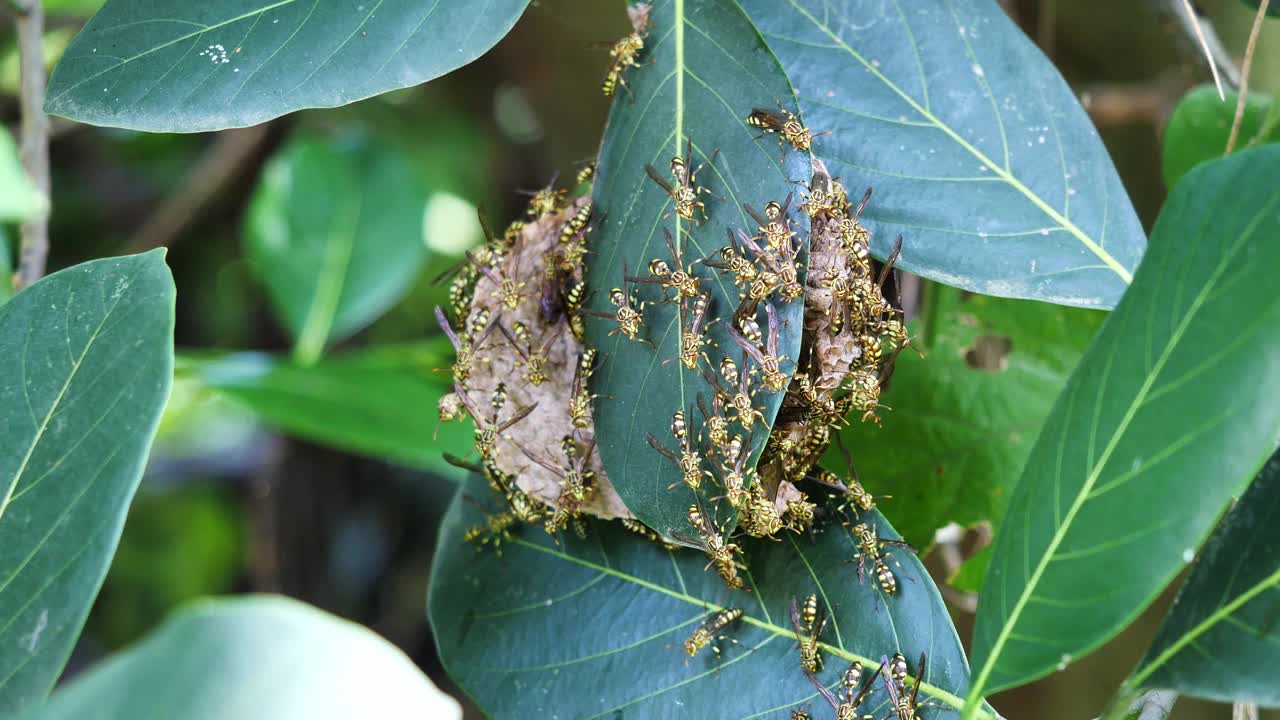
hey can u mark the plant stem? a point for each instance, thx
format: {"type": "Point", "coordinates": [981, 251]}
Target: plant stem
{"type": "Point", "coordinates": [1244, 76]}
{"type": "Point", "coordinates": [1151, 705]}
{"type": "Point", "coordinates": [34, 140]}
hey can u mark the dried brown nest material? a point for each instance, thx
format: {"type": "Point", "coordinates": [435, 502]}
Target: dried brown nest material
{"type": "Point", "coordinates": [497, 361]}
{"type": "Point", "coordinates": [850, 331]}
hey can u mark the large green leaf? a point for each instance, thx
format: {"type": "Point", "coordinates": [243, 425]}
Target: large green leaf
{"type": "Point", "coordinates": [955, 442]}
{"type": "Point", "coordinates": [335, 232]}
{"type": "Point", "coordinates": [248, 658]}
{"type": "Point", "coordinates": [703, 71]}
{"type": "Point", "coordinates": [525, 633]}
{"type": "Point", "coordinates": [86, 359]}
{"type": "Point", "coordinates": [1198, 129]}
{"type": "Point", "coordinates": [380, 402]}
{"type": "Point", "coordinates": [1222, 638]}
{"type": "Point", "coordinates": [978, 150]}
{"type": "Point", "coordinates": [178, 66]}
{"type": "Point", "coordinates": [1170, 413]}
{"type": "Point", "coordinates": [18, 198]}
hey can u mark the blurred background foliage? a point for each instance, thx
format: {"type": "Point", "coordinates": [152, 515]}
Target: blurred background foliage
{"type": "Point", "coordinates": [299, 452]}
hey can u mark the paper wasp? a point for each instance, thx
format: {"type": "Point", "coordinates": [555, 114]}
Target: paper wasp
{"type": "Point", "coordinates": [576, 224]}
{"type": "Point", "coordinates": [685, 192]}
{"type": "Point", "coordinates": [767, 358]}
{"type": "Point", "coordinates": [716, 425]}
{"type": "Point", "coordinates": [786, 124]}
{"type": "Point", "coordinates": [546, 201]}
{"type": "Point", "coordinates": [464, 350]}
{"type": "Point", "coordinates": [801, 715]}
{"type": "Point", "coordinates": [628, 317]}
{"type": "Point", "coordinates": [808, 630]}
{"type": "Point", "coordinates": [732, 259]}
{"type": "Point", "coordinates": [710, 541]}
{"type": "Point", "coordinates": [689, 461]}
{"type": "Point", "coordinates": [707, 631]}
{"type": "Point", "coordinates": [647, 533]}
{"type": "Point", "coordinates": [576, 481]}
{"type": "Point", "coordinates": [488, 429]}
{"type": "Point", "coordinates": [822, 199]}
{"type": "Point", "coordinates": [758, 516]}
{"type": "Point", "coordinates": [734, 476]}
{"type": "Point", "coordinates": [799, 515]}
{"type": "Point", "coordinates": [904, 703]}
{"type": "Point", "coordinates": [496, 530]}
{"type": "Point", "coordinates": [693, 338]}
{"type": "Point", "coordinates": [775, 228]}
{"type": "Point", "coordinates": [737, 399]}
{"type": "Point", "coordinates": [680, 279]}
{"type": "Point", "coordinates": [623, 55]}
{"type": "Point", "coordinates": [586, 174]}
{"type": "Point", "coordinates": [853, 689]}
{"type": "Point", "coordinates": [509, 292]}
{"type": "Point", "coordinates": [534, 360]}
{"type": "Point", "coordinates": [580, 400]}
{"type": "Point", "coordinates": [870, 548]}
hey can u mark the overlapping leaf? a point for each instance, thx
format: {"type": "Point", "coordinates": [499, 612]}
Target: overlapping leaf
{"type": "Point", "coordinates": [1200, 125]}
{"type": "Point", "coordinates": [380, 402]}
{"type": "Point", "coordinates": [500, 624]}
{"type": "Point", "coordinates": [704, 69]}
{"type": "Point", "coordinates": [956, 439]}
{"type": "Point", "coordinates": [179, 66]}
{"type": "Point", "coordinates": [248, 658]}
{"type": "Point", "coordinates": [1116, 494]}
{"type": "Point", "coordinates": [86, 360]}
{"type": "Point", "coordinates": [335, 233]}
{"type": "Point", "coordinates": [1222, 639]}
{"type": "Point", "coordinates": [978, 151]}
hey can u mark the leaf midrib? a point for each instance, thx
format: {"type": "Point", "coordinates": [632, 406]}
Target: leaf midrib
{"type": "Point", "coordinates": [57, 401]}
{"type": "Point", "coordinates": [950, 699]}
{"type": "Point", "coordinates": [999, 170]}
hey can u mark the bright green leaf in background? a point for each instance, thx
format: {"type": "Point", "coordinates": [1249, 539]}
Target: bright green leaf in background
{"type": "Point", "coordinates": [594, 628]}
{"type": "Point", "coordinates": [379, 402]}
{"type": "Point", "coordinates": [1227, 615]}
{"type": "Point", "coordinates": [1199, 127]}
{"type": "Point", "coordinates": [1160, 425]}
{"type": "Point", "coordinates": [86, 360]}
{"type": "Point", "coordinates": [19, 200]}
{"type": "Point", "coordinates": [263, 657]}
{"type": "Point", "coordinates": [955, 442]}
{"type": "Point", "coordinates": [979, 153]}
{"type": "Point", "coordinates": [180, 66]}
{"type": "Point", "coordinates": [334, 231]}
{"type": "Point", "coordinates": [703, 70]}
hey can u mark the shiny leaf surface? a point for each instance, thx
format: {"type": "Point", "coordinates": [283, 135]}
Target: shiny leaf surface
{"type": "Point", "coordinates": [86, 361]}
{"type": "Point", "coordinates": [978, 151]}
{"type": "Point", "coordinates": [1198, 129]}
{"type": "Point", "coordinates": [1114, 497]}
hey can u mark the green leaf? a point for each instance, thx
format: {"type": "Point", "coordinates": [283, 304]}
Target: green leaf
{"type": "Point", "coordinates": [86, 360]}
{"type": "Point", "coordinates": [178, 66]}
{"type": "Point", "coordinates": [19, 200]}
{"type": "Point", "coordinates": [1201, 123]}
{"type": "Point", "coordinates": [1221, 640]}
{"type": "Point", "coordinates": [250, 658]}
{"type": "Point", "coordinates": [378, 402]}
{"type": "Point", "coordinates": [525, 632]}
{"type": "Point", "coordinates": [6, 267]}
{"type": "Point", "coordinates": [334, 231]}
{"type": "Point", "coordinates": [955, 442]}
{"type": "Point", "coordinates": [1272, 9]}
{"type": "Point", "coordinates": [978, 151]}
{"type": "Point", "coordinates": [968, 577]}
{"type": "Point", "coordinates": [703, 70]}
{"type": "Point", "coordinates": [1174, 390]}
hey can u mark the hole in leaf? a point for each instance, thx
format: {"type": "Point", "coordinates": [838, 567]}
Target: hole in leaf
{"type": "Point", "coordinates": [989, 352]}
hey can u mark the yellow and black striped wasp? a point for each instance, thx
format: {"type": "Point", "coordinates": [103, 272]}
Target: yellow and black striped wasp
{"type": "Point", "coordinates": [711, 541]}
{"type": "Point", "coordinates": [775, 228]}
{"type": "Point", "coordinates": [533, 358]}
{"type": "Point", "coordinates": [903, 702]}
{"type": "Point", "coordinates": [688, 461]}
{"type": "Point", "coordinates": [686, 191]}
{"type": "Point", "coordinates": [488, 429]}
{"type": "Point", "coordinates": [580, 398]}
{"type": "Point", "coordinates": [736, 397]}
{"type": "Point", "coordinates": [464, 349]}
{"type": "Point", "coordinates": [694, 338]}
{"type": "Point", "coordinates": [577, 482]}
{"type": "Point", "coordinates": [808, 629]}
{"type": "Point", "coordinates": [770, 362]}
{"type": "Point", "coordinates": [786, 124]}
{"type": "Point", "coordinates": [871, 550]}
{"type": "Point", "coordinates": [680, 278]}
{"type": "Point", "coordinates": [628, 316]}
{"type": "Point", "coordinates": [853, 690]}
{"type": "Point", "coordinates": [707, 631]}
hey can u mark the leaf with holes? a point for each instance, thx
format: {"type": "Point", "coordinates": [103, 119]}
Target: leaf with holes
{"type": "Point", "coordinates": [1198, 129]}
{"type": "Point", "coordinates": [1114, 493]}
{"type": "Point", "coordinates": [1227, 615]}
{"type": "Point", "coordinates": [978, 151]}
{"type": "Point", "coordinates": [86, 360]}
{"type": "Point", "coordinates": [206, 663]}
{"type": "Point", "coordinates": [965, 417]}
{"type": "Point", "coordinates": [378, 402]}
{"type": "Point", "coordinates": [179, 66]}
{"type": "Point", "coordinates": [502, 624]}
{"type": "Point", "coordinates": [334, 231]}
{"type": "Point", "coordinates": [702, 72]}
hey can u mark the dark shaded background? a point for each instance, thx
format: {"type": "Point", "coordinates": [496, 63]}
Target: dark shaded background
{"type": "Point", "coordinates": [230, 507]}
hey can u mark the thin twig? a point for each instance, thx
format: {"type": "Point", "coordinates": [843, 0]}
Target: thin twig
{"type": "Point", "coordinates": [34, 138]}
{"type": "Point", "coordinates": [1244, 711]}
{"type": "Point", "coordinates": [1244, 76]}
{"type": "Point", "coordinates": [1199, 31]}
{"type": "Point", "coordinates": [217, 168]}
